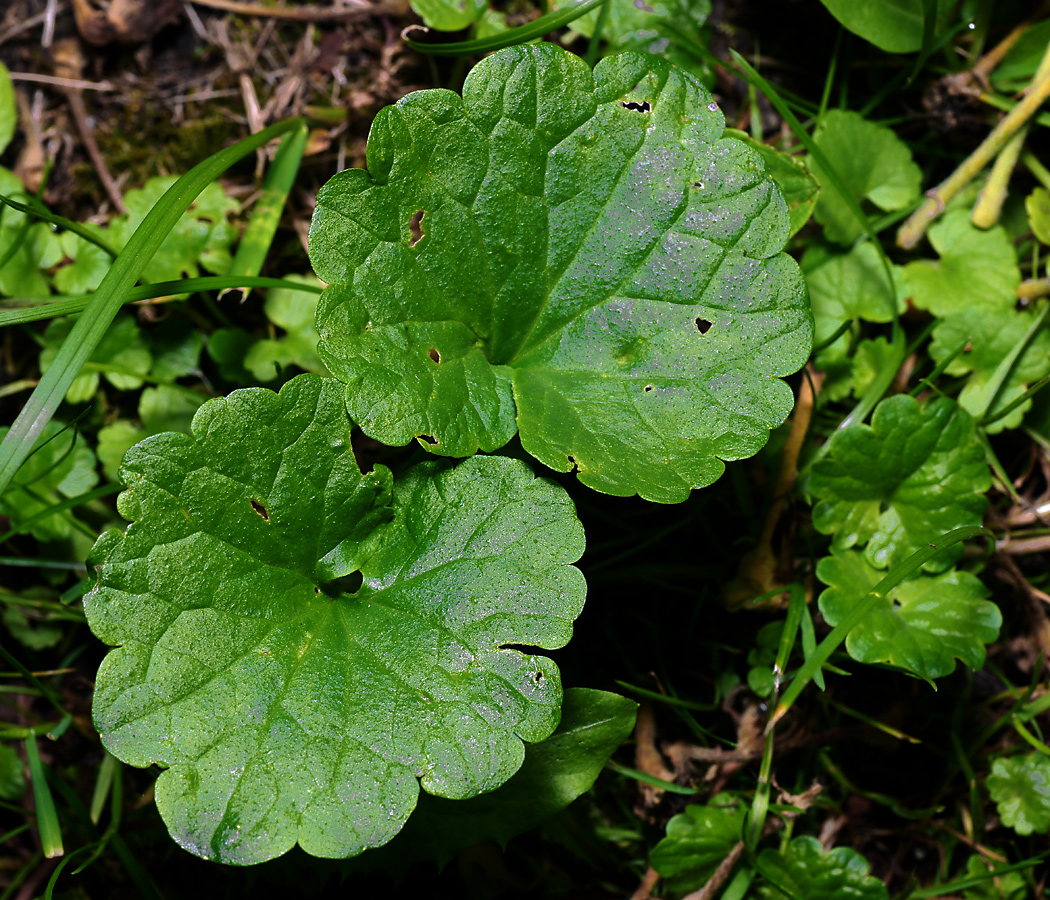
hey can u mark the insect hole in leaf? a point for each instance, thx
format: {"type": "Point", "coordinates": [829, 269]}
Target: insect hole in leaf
{"type": "Point", "coordinates": [415, 225]}
{"type": "Point", "coordinates": [643, 107]}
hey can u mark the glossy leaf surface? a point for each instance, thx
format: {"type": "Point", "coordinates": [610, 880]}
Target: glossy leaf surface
{"type": "Point", "coordinates": [915, 473]}
{"type": "Point", "coordinates": [286, 705]}
{"type": "Point", "coordinates": [892, 25]}
{"type": "Point", "coordinates": [922, 625]}
{"type": "Point", "coordinates": [581, 259]}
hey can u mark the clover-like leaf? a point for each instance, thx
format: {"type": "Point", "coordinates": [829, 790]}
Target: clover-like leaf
{"type": "Point", "coordinates": [914, 474]}
{"type": "Point", "coordinates": [292, 311]}
{"type": "Point", "coordinates": [1020, 787]}
{"type": "Point", "coordinates": [582, 259]}
{"type": "Point", "coordinates": [989, 335]}
{"type": "Point", "coordinates": [176, 351]}
{"type": "Point", "coordinates": [977, 267]}
{"type": "Point", "coordinates": [201, 238]}
{"type": "Point", "coordinates": [922, 625]}
{"type": "Point", "coordinates": [12, 774]}
{"type": "Point", "coordinates": [805, 870]}
{"type": "Point", "coordinates": [285, 705]}
{"type": "Point", "coordinates": [122, 356]}
{"type": "Point", "coordinates": [89, 262]}
{"type": "Point", "coordinates": [697, 841]}
{"type": "Point", "coordinates": [873, 163]}
{"type": "Point", "coordinates": [555, 772]}
{"type": "Point", "coordinates": [61, 466]}
{"type": "Point", "coordinates": [36, 248]}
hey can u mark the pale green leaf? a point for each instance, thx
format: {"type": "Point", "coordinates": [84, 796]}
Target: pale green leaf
{"type": "Point", "coordinates": [1010, 886]}
{"type": "Point", "coordinates": [579, 259]}
{"type": "Point", "coordinates": [114, 440]}
{"type": "Point", "coordinates": [630, 24]}
{"type": "Point", "coordinates": [914, 474]}
{"type": "Point", "coordinates": [977, 267]}
{"type": "Point", "coordinates": [166, 408]}
{"type": "Point", "coordinates": [1020, 787]}
{"type": "Point", "coordinates": [122, 356]}
{"type": "Point", "coordinates": [874, 164]}
{"type": "Point", "coordinates": [201, 237]}
{"type": "Point", "coordinates": [88, 266]}
{"type": "Point", "coordinates": [851, 286]}
{"type": "Point", "coordinates": [293, 312]}
{"type": "Point", "coordinates": [804, 871]}
{"type": "Point", "coordinates": [33, 635]}
{"type": "Point", "coordinates": [284, 704]}
{"type": "Point", "coordinates": [922, 625]}
{"type": "Point", "coordinates": [870, 358]}
{"type": "Point", "coordinates": [449, 15]}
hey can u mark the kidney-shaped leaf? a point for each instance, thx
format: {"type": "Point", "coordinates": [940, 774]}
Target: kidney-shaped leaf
{"type": "Point", "coordinates": [914, 474]}
{"type": "Point", "coordinates": [805, 870]}
{"type": "Point", "coordinates": [583, 259]}
{"type": "Point", "coordinates": [285, 705]}
{"type": "Point", "coordinates": [922, 625]}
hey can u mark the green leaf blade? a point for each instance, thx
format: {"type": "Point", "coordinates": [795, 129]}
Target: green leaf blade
{"type": "Point", "coordinates": [914, 474]}
{"type": "Point", "coordinates": [922, 625]}
{"type": "Point", "coordinates": [547, 256]}
{"type": "Point", "coordinates": [284, 708]}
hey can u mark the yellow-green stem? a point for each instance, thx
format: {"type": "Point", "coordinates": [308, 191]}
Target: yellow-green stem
{"type": "Point", "coordinates": [915, 227]}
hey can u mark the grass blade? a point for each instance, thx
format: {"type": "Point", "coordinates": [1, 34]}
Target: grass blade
{"type": "Point", "coordinates": [266, 214]}
{"type": "Point", "coordinates": [125, 271]}
{"type": "Point", "coordinates": [70, 305]}
{"type": "Point", "coordinates": [46, 816]}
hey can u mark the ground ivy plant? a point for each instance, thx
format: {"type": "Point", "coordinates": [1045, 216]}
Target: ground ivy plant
{"type": "Point", "coordinates": [581, 258]}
